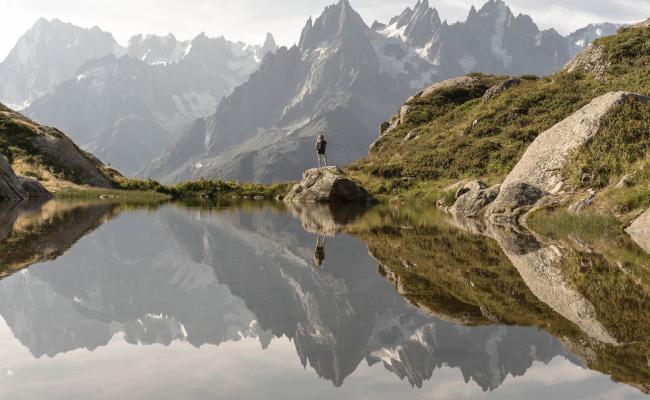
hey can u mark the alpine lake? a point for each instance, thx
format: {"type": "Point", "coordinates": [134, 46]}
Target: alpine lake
{"type": "Point", "coordinates": [251, 300]}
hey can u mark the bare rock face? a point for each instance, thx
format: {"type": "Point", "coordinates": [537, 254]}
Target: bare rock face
{"type": "Point", "coordinates": [540, 169]}
{"type": "Point", "coordinates": [472, 198]}
{"type": "Point", "coordinates": [18, 188]}
{"type": "Point", "coordinates": [640, 231]}
{"type": "Point", "coordinates": [326, 185]}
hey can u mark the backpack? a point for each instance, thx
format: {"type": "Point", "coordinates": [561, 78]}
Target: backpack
{"type": "Point", "coordinates": [321, 147]}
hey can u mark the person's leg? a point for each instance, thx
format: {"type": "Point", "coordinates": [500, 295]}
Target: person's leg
{"type": "Point", "coordinates": [325, 159]}
{"type": "Point", "coordinates": [318, 157]}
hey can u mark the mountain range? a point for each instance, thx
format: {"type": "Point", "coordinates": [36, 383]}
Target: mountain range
{"type": "Point", "coordinates": [340, 79]}
{"type": "Point", "coordinates": [128, 109]}
{"type": "Point", "coordinates": [177, 110]}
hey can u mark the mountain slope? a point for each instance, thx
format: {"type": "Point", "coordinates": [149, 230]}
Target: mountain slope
{"type": "Point", "coordinates": [48, 154]}
{"type": "Point", "coordinates": [127, 110]}
{"type": "Point", "coordinates": [340, 79]}
{"type": "Point", "coordinates": [49, 53]}
{"type": "Point", "coordinates": [463, 131]}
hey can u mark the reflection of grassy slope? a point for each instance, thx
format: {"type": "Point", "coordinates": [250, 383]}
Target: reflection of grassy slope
{"type": "Point", "coordinates": [454, 273]}
{"type": "Point", "coordinates": [466, 138]}
{"type": "Point", "coordinates": [468, 278]}
{"type": "Point", "coordinates": [47, 232]}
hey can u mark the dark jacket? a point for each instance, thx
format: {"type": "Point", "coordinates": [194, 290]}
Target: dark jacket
{"type": "Point", "coordinates": [321, 147]}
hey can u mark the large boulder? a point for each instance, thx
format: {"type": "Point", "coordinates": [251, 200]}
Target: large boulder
{"type": "Point", "coordinates": [640, 231]}
{"type": "Point", "coordinates": [10, 188]}
{"type": "Point", "coordinates": [326, 185]}
{"type": "Point", "coordinates": [514, 200]}
{"type": "Point", "coordinates": [18, 188]}
{"type": "Point", "coordinates": [540, 169]}
{"type": "Point", "coordinates": [472, 198]}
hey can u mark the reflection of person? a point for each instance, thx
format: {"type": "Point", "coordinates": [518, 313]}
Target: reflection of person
{"type": "Point", "coordinates": [319, 252]}
{"type": "Point", "coordinates": [321, 151]}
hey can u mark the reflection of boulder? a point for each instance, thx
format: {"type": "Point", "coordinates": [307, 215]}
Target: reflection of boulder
{"type": "Point", "coordinates": [326, 219]}
{"type": "Point", "coordinates": [326, 185]}
{"type": "Point", "coordinates": [539, 266]}
{"type": "Point", "coordinates": [640, 231]}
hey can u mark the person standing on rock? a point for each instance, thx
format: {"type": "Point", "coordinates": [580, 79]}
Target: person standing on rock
{"type": "Point", "coordinates": [321, 151]}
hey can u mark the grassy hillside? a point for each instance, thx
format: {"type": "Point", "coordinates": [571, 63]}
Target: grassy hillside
{"type": "Point", "coordinates": [453, 134]}
{"type": "Point", "coordinates": [48, 155]}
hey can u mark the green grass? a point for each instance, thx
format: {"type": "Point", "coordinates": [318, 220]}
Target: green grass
{"type": "Point", "coordinates": [112, 195]}
{"type": "Point", "coordinates": [462, 137]}
{"type": "Point", "coordinates": [208, 188]}
{"type": "Point", "coordinates": [561, 224]}
{"type": "Point", "coordinates": [623, 140]}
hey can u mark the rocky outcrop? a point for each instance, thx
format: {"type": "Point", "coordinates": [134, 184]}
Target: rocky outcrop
{"type": "Point", "coordinates": [500, 88]}
{"type": "Point", "coordinates": [472, 198]}
{"type": "Point", "coordinates": [644, 24]}
{"type": "Point", "coordinates": [592, 60]}
{"type": "Point", "coordinates": [326, 185]}
{"type": "Point", "coordinates": [513, 201]}
{"type": "Point", "coordinates": [399, 118]}
{"type": "Point", "coordinates": [640, 231]}
{"type": "Point", "coordinates": [540, 169]}
{"type": "Point", "coordinates": [539, 265]}
{"type": "Point", "coordinates": [18, 188]}
{"type": "Point", "coordinates": [56, 152]}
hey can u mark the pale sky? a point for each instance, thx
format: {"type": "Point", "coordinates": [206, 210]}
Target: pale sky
{"type": "Point", "coordinates": [249, 20]}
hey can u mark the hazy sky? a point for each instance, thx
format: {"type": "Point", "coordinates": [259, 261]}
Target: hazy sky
{"type": "Point", "coordinates": [249, 20]}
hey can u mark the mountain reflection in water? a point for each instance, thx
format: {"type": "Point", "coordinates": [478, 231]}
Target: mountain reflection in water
{"type": "Point", "coordinates": [221, 276]}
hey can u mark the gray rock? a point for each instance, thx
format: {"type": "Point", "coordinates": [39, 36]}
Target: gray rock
{"type": "Point", "coordinates": [470, 203]}
{"type": "Point", "coordinates": [626, 181]}
{"type": "Point", "coordinates": [500, 88]}
{"type": "Point", "coordinates": [513, 201]}
{"type": "Point", "coordinates": [583, 204]}
{"type": "Point", "coordinates": [592, 60]}
{"type": "Point", "coordinates": [10, 188]}
{"type": "Point", "coordinates": [413, 135]}
{"type": "Point", "coordinates": [468, 187]}
{"type": "Point", "coordinates": [640, 231]}
{"type": "Point", "coordinates": [18, 188]}
{"type": "Point", "coordinates": [540, 169]}
{"type": "Point", "coordinates": [326, 185]}
{"type": "Point", "coordinates": [33, 188]}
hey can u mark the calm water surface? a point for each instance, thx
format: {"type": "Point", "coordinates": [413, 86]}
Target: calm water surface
{"type": "Point", "coordinates": [115, 302]}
